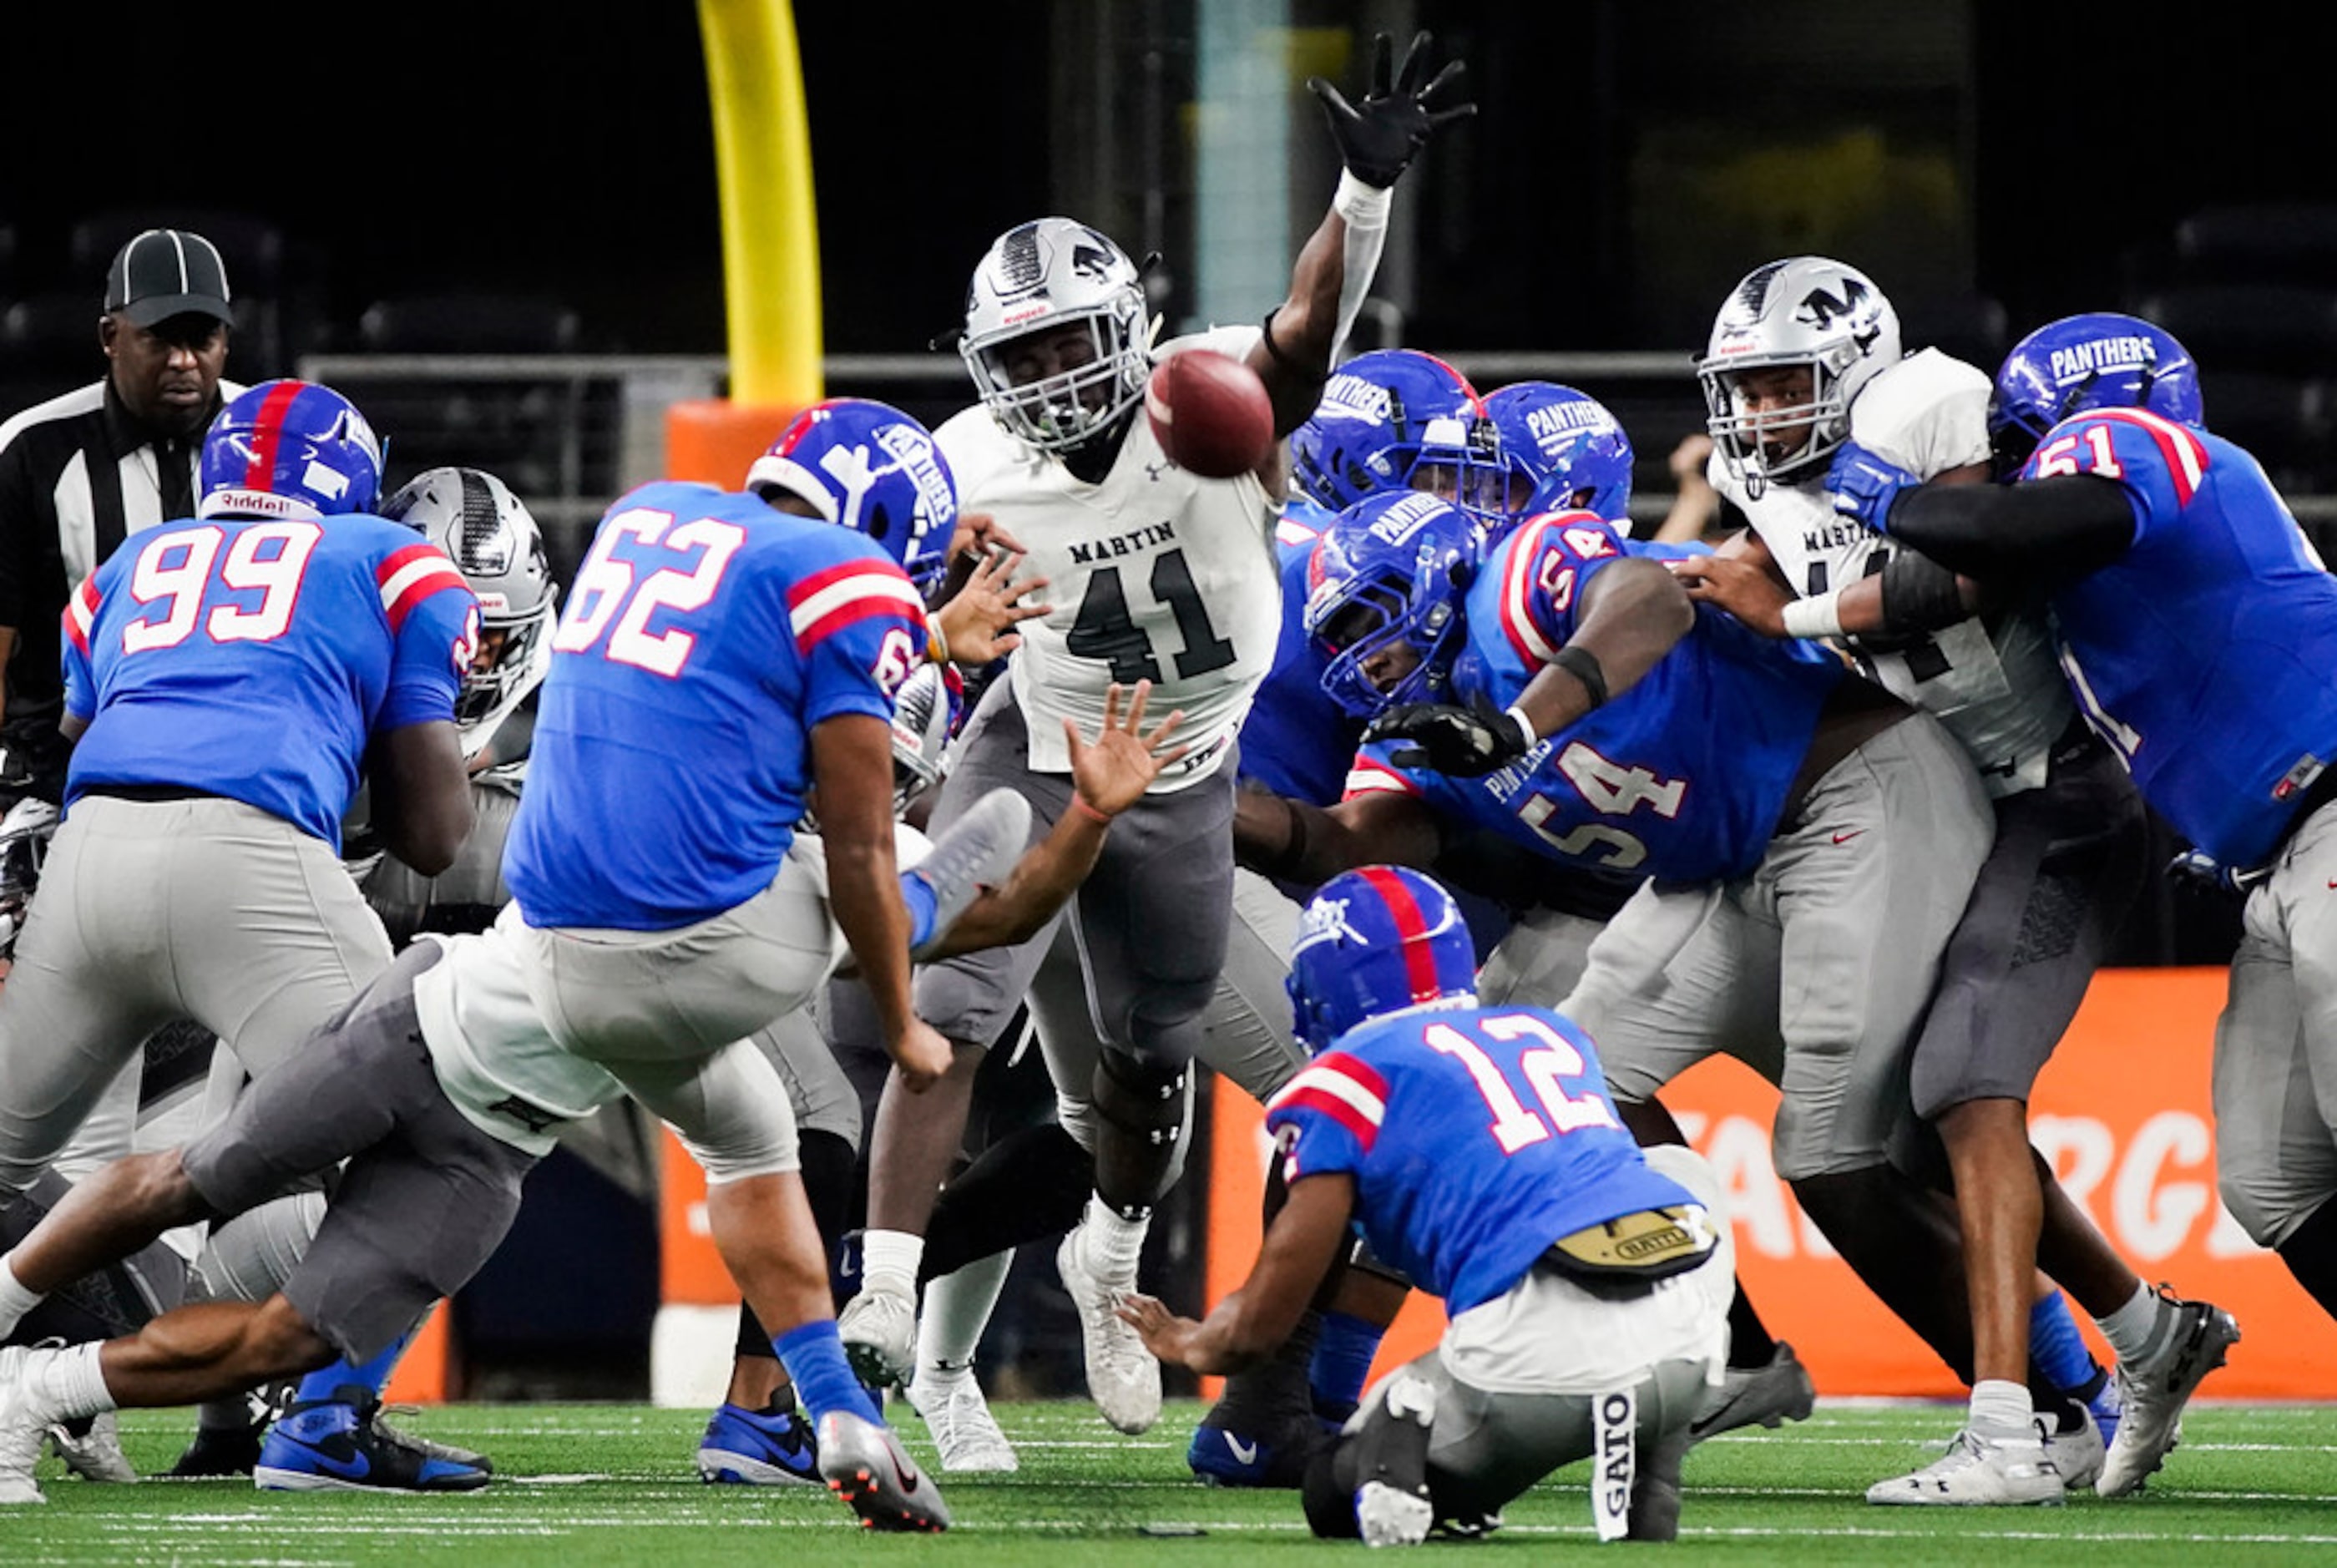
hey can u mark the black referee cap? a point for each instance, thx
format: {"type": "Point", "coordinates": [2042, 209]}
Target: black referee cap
{"type": "Point", "coordinates": [167, 272]}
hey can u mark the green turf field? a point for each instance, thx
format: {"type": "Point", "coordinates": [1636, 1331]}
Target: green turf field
{"type": "Point", "coordinates": [585, 1484]}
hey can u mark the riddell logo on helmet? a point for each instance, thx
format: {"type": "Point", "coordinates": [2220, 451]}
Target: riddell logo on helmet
{"type": "Point", "coordinates": [1027, 313]}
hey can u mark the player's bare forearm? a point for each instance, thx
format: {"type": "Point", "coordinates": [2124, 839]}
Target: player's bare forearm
{"type": "Point", "coordinates": [422, 794]}
{"type": "Point", "coordinates": [1306, 1239]}
{"type": "Point", "coordinates": [1295, 842]}
{"type": "Point", "coordinates": [851, 763]}
{"type": "Point", "coordinates": [1632, 613]}
{"type": "Point", "coordinates": [1296, 367]}
{"type": "Point", "coordinates": [1109, 775]}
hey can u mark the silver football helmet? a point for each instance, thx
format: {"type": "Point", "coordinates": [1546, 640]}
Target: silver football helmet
{"type": "Point", "coordinates": [1804, 311]}
{"type": "Point", "coordinates": [493, 541]}
{"type": "Point", "coordinates": [1039, 277]}
{"type": "Point", "coordinates": [925, 715]}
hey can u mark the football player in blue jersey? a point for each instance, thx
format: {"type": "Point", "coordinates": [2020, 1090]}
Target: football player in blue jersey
{"type": "Point", "coordinates": [1398, 419]}
{"type": "Point", "coordinates": [440, 1137]}
{"type": "Point", "coordinates": [231, 677]}
{"type": "Point", "coordinates": [1477, 1147]}
{"type": "Point", "coordinates": [1559, 728]}
{"type": "Point", "coordinates": [2195, 625]}
{"type": "Point", "coordinates": [1805, 356]}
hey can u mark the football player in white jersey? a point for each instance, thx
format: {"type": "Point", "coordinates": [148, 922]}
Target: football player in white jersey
{"type": "Point", "coordinates": [1155, 573]}
{"type": "Point", "coordinates": [1806, 355]}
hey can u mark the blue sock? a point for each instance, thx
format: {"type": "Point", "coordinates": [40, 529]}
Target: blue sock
{"type": "Point", "coordinates": [1342, 1363]}
{"type": "Point", "coordinates": [813, 1358]}
{"type": "Point", "coordinates": [2058, 1348]}
{"type": "Point", "coordinates": [923, 906]}
{"type": "Point", "coordinates": [326, 1384]}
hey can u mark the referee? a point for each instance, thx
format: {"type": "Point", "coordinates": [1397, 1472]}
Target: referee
{"type": "Point", "coordinates": [80, 472]}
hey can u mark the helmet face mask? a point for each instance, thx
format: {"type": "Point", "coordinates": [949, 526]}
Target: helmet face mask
{"type": "Point", "coordinates": [1804, 314]}
{"type": "Point", "coordinates": [1054, 388]}
{"type": "Point", "coordinates": [289, 448]}
{"type": "Point", "coordinates": [495, 542]}
{"type": "Point", "coordinates": [1384, 600]}
{"type": "Point", "coordinates": [1374, 942]}
{"type": "Point", "coordinates": [2101, 359]}
{"type": "Point", "coordinates": [926, 713]}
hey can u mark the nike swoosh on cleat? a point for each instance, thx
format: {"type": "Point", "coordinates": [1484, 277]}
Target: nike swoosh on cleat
{"type": "Point", "coordinates": [1245, 1452]}
{"type": "Point", "coordinates": [353, 1469]}
{"type": "Point", "coordinates": [906, 1471]}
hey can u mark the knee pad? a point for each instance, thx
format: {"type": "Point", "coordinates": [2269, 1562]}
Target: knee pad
{"type": "Point", "coordinates": [249, 1258]}
{"type": "Point", "coordinates": [1141, 1097]}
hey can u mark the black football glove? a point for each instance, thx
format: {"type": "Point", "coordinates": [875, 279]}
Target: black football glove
{"type": "Point", "coordinates": [1379, 137]}
{"type": "Point", "coordinates": [1465, 742]}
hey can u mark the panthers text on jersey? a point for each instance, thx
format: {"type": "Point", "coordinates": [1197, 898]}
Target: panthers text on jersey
{"type": "Point", "coordinates": [1154, 574]}
{"type": "Point", "coordinates": [1990, 680]}
{"type": "Point", "coordinates": [2203, 656]}
{"type": "Point", "coordinates": [256, 659]}
{"type": "Point", "coordinates": [1475, 1138]}
{"type": "Point", "coordinates": [1684, 777]}
{"type": "Point", "coordinates": [705, 637]}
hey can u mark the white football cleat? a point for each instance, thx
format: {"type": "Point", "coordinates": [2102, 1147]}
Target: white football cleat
{"type": "Point", "coordinates": [959, 1418]}
{"type": "Point", "coordinates": [879, 1330]}
{"type": "Point", "coordinates": [2154, 1391]}
{"type": "Point", "coordinates": [21, 1430]}
{"type": "Point", "coordinates": [1392, 1504]}
{"type": "Point", "coordinates": [2076, 1451]}
{"type": "Point", "coordinates": [94, 1453]}
{"type": "Point", "coordinates": [1977, 1471]}
{"type": "Point", "coordinates": [1123, 1378]}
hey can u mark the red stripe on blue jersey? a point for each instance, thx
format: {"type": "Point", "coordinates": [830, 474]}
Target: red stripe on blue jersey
{"type": "Point", "coordinates": [408, 576]}
{"type": "Point", "coordinates": [80, 613]}
{"type": "Point", "coordinates": [851, 591]}
{"type": "Point", "coordinates": [259, 474]}
{"type": "Point", "coordinates": [1526, 639]}
{"type": "Point", "coordinates": [1341, 1087]}
{"type": "Point", "coordinates": [2185, 454]}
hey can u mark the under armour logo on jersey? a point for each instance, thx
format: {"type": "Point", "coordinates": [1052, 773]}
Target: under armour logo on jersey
{"type": "Point", "coordinates": [534, 1118]}
{"type": "Point", "coordinates": [1153, 470]}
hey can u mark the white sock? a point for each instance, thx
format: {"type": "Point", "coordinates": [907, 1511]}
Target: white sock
{"type": "Point", "coordinates": [67, 1385]}
{"type": "Point", "coordinates": [957, 1309]}
{"type": "Point", "coordinates": [2000, 1410]}
{"type": "Point", "coordinates": [889, 1261]}
{"type": "Point", "coordinates": [2134, 1328]}
{"type": "Point", "coordinates": [15, 1299]}
{"type": "Point", "coordinates": [1112, 1245]}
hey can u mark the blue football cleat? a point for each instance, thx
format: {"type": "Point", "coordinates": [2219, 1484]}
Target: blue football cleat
{"type": "Point", "coordinates": [334, 1446]}
{"type": "Point", "coordinates": [744, 1449]}
{"type": "Point", "coordinates": [1273, 1455]}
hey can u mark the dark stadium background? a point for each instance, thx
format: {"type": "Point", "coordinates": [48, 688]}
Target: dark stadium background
{"type": "Point", "coordinates": [1993, 165]}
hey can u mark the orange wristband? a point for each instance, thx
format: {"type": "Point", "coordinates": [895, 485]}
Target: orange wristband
{"type": "Point", "coordinates": [1078, 802]}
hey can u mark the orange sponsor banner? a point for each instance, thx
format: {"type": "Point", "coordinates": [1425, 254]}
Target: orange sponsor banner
{"type": "Point", "coordinates": [2123, 1113]}
{"type": "Point", "coordinates": [691, 1273]}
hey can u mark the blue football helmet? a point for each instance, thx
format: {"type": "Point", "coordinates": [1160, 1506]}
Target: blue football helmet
{"type": "Point", "coordinates": [1372, 942]}
{"type": "Point", "coordinates": [289, 449]}
{"type": "Point", "coordinates": [2098, 360]}
{"type": "Point", "coordinates": [873, 469]}
{"type": "Point", "coordinates": [1390, 569]}
{"type": "Point", "coordinates": [1566, 452]}
{"type": "Point", "coordinates": [1382, 417]}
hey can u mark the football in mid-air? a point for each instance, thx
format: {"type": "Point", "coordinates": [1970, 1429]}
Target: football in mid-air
{"type": "Point", "coordinates": [1210, 413]}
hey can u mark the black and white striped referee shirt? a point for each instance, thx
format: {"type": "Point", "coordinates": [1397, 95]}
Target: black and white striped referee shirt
{"type": "Point", "coordinates": [78, 474]}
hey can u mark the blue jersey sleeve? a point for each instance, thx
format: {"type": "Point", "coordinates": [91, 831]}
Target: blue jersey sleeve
{"type": "Point", "coordinates": [859, 629]}
{"type": "Point", "coordinates": [1327, 1118]}
{"type": "Point", "coordinates": [434, 620]}
{"type": "Point", "coordinates": [2159, 464]}
{"type": "Point", "coordinates": [79, 621]}
{"type": "Point", "coordinates": [1544, 567]}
